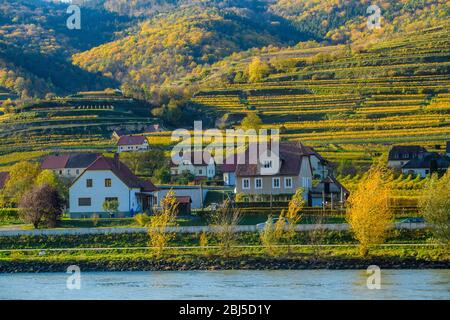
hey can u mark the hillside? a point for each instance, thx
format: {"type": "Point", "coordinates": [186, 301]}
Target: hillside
{"type": "Point", "coordinates": [347, 101]}
{"type": "Point", "coordinates": [169, 46]}
{"type": "Point", "coordinates": [82, 121]}
{"type": "Point", "coordinates": [36, 45]}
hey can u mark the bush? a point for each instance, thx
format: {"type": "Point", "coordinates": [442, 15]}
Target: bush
{"type": "Point", "coordinates": [142, 219]}
{"type": "Point", "coordinates": [9, 214]}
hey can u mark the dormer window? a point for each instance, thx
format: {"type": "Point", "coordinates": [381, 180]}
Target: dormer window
{"type": "Point", "coordinates": [267, 164]}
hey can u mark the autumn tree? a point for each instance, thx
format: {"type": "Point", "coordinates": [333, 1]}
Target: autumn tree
{"type": "Point", "coordinates": [225, 221]}
{"type": "Point", "coordinates": [21, 179]}
{"type": "Point", "coordinates": [159, 223]}
{"type": "Point", "coordinates": [368, 213]}
{"type": "Point", "coordinates": [41, 204]}
{"type": "Point", "coordinates": [435, 206]}
{"type": "Point", "coordinates": [257, 70]}
{"type": "Point", "coordinates": [48, 177]}
{"type": "Point", "coordinates": [283, 228]}
{"type": "Point", "coordinates": [293, 215]}
{"type": "Point", "coordinates": [251, 121]}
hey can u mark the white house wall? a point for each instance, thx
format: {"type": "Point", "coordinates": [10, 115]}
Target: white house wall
{"type": "Point", "coordinates": [98, 193]}
{"type": "Point", "coordinates": [197, 195]}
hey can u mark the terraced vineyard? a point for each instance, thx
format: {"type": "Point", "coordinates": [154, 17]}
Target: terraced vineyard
{"type": "Point", "coordinates": [394, 91]}
{"type": "Point", "coordinates": [79, 122]}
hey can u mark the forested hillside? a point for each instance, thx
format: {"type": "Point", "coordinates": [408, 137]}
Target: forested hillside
{"type": "Point", "coordinates": [36, 45]}
{"type": "Point", "coordinates": [169, 46]}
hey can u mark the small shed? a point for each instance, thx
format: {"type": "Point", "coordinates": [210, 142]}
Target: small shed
{"type": "Point", "coordinates": [184, 205]}
{"type": "Point", "coordinates": [328, 193]}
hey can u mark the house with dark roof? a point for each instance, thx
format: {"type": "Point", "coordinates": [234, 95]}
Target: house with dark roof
{"type": "Point", "coordinates": [296, 168]}
{"type": "Point", "coordinates": [328, 193]}
{"type": "Point", "coordinates": [198, 163]}
{"type": "Point", "coordinates": [4, 176]}
{"type": "Point", "coordinates": [132, 143]}
{"type": "Point", "coordinates": [68, 165]}
{"type": "Point", "coordinates": [262, 180]}
{"type": "Point", "coordinates": [108, 179]}
{"type": "Point", "coordinates": [428, 164]}
{"type": "Point", "coordinates": [400, 155]}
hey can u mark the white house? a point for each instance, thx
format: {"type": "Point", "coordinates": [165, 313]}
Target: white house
{"type": "Point", "coordinates": [401, 155]}
{"type": "Point", "coordinates": [430, 163]}
{"type": "Point", "coordinates": [204, 168]}
{"type": "Point", "coordinates": [109, 179]}
{"type": "Point", "coordinates": [68, 166]}
{"type": "Point", "coordinates": [132, 143]}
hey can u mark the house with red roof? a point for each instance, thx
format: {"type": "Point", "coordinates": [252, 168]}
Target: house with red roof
{"type": "Point", "coordinates": [108, 179]}
{"type": "Point", "coordinates": [68, 165]}
{"type": "Point", "coordinates": [132, 143]}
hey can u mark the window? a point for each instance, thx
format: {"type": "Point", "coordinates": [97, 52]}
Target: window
{"type": "Point", "coordinates": [288, 182]}
{"type": "Point", "coordinates": [108, 183]}
{"type": "Point", "coordinates": [267, 164]}
{"type": "Point", "coordinates": [77, 171]}
{"type": "Point", "coordinates": [246, 183]}
{"type": "Point", "coordinates": [258, 183]}
{"type": "Point", "coordinates": [276, 183]}
{"type": "Point", "coordinates": [200, 171]}
{"type": "Point", "coordinates": [305, 183]}
{"type": "Point", "coordinates": [84, 202]}
{"type": "Point", "coordinates": [60, 172]}
{"type": "Point", "coordinates": [89, 183]}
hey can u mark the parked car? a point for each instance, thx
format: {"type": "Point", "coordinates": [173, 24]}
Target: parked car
{"type": "Point", "coordinates": [262, 226]}
{"type": "Point", "coordinates": [413, 220]}
{"type": "Point", "coordinates": [213, 206]}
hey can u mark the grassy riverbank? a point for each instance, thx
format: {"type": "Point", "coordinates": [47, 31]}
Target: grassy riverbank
{"type": "Point", "coordinates": [329, 249]}
{"type": "Point", "coordinates": [252, 258]}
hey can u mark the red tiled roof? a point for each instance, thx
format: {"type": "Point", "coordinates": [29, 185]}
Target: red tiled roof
{"type": "Point", "coordinates": [131, 140]}
{"type": "Point", "coordinates": [122, 172]}
{"type": "Point", "coordinates": [4, 176]}
{"type": "Point", "coordinates": [184, 200]}
{"type": "Point", "coordinates": [54, 162]}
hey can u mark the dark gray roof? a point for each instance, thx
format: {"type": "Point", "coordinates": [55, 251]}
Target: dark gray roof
{"type": "Point", "coordinates": [81, 160]}
{"type": "Point", "coordinates": [291, 155]}
{"type": "Point", "coordinates": [426, 162]}
{"type": "Point", "coordinates": [397, 152]}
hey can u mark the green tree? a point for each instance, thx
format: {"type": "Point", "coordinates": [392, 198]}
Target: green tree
{"type": "Point", "coordinates": [111, 206]}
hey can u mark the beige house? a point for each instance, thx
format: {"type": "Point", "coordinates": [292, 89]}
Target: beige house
{"type": "Point", "coordinates": [294, 171]}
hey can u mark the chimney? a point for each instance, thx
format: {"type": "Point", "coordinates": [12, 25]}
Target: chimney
{"type": "Point", "coordinates": [117, 160]}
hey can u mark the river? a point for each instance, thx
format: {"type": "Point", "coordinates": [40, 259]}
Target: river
{"type": "Point", "coordinates": [232, 285]}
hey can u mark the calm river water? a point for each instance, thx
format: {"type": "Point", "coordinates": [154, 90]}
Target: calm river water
{"type": "Point", "coordinates": [286, 284]}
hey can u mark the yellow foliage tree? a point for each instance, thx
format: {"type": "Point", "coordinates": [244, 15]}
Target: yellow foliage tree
{"type": "Point", "coordinates": [435, 206]}
{"type": "Point", "coordinates": [368, 214]}
{"type": "Point", "coordinates": [257, 70]}
{"type": "Point", "coordinates": [160, 222]}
